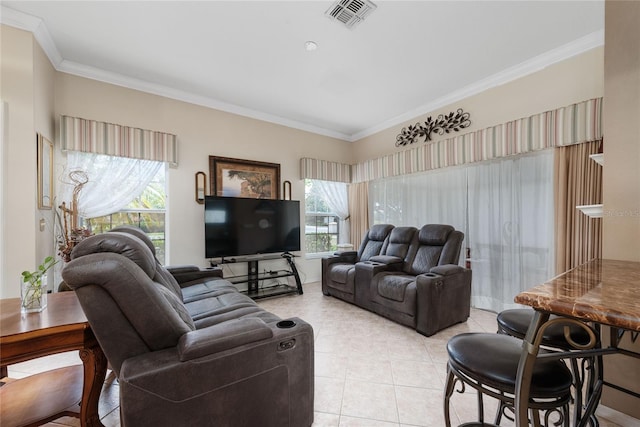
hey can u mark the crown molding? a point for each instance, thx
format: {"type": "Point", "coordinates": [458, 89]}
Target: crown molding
{"type": "Point", "coordinates": [117, 79]}
{"type": "Point", "coordinates": [537, 63]}
{"type": "Point", "coordinates": [36, 26]}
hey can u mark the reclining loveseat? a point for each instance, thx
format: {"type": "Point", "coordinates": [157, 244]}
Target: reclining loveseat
{"type": "Point", "coordinates": [195, 353]}
{"type": "Point", "coordinates": [415, 280]}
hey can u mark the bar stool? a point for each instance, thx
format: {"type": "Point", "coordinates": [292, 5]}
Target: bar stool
{"type": "Point", "coordinates": [515, 322]}
{"type": "Point", "coordinates": [489, 363]}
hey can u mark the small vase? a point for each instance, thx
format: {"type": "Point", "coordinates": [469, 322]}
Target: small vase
{"type": "Point", "coordinates": [33, 296]}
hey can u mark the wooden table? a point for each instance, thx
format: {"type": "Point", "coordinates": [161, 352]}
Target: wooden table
{"type": "Point", "coordinates": [60, 327]}
{"type": "Point", "coordinates": [600, 292]}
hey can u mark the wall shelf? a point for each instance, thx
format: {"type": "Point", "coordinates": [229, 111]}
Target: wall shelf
{"type": "Point", "coordinates": [598, 158]}
{"type": "Point", "coordinates": [593, 211]}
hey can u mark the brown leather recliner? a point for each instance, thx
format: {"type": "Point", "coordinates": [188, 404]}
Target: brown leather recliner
{"type": "Point", "coordinates": [218, 359]}
{"type": "Point", "coordinates": [338, 270]}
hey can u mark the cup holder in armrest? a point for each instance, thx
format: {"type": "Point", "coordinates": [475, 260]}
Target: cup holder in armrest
{"type": "Point", "coordinates": [430, 275]}
{"type": "Point", "coordinates": [285, 324]}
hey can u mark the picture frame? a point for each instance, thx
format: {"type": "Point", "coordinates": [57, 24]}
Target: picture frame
{"type": "Point", "coordinates": [244, 178]}
{"type": "Point", "coordinates": [45, 172]}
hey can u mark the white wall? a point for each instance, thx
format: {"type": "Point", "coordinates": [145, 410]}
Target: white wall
{"type": "Point", "coordinates": [19, 158]}
{"type": "Point", "coordinates": [202, 132]}
{"type": "Point", "coordinates": [621, 176]}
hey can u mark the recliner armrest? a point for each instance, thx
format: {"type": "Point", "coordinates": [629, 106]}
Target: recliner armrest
{"type": "Point", "coordinates": [186, 274]}
{"type": "Point", "coordinates": [447, 269]}
{"type": "Point", "coordinates": [353, 254]}
{"type": "Point", "coordinates": [443, 298]}
{"type": "Point", "coordinates": [223, 336]}
{"type": "Point", "coordinates": [386, 259]}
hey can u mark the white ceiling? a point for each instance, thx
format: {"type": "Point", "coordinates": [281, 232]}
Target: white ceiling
{"type": "Point", "coordinates": [407, 58]}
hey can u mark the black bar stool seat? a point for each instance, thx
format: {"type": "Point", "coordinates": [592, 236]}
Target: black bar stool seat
{"type": "Point", "coordinates": [489, 363]}
{"type": "Point", "coordinates": [515, 322]}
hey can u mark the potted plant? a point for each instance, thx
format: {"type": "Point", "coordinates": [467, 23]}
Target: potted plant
{"type": "Point", "coordinates": [33, 287]}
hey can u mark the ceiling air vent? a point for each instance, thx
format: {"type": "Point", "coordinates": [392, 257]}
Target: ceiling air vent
{"type": "Point", "coordinates": [350, 12]}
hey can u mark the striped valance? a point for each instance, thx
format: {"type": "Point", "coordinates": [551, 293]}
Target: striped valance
{"type": "Point", "coordinates": [91, 136]}
{"type": "Point", "coordinates": [574, 124]}
{"type": "Point", "coordinates": [324, 170]}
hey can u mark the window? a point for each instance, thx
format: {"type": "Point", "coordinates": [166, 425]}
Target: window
{"type": "Point", "coordinates": [147, 211]}
{"type": "Point", "coordinates": [110, 191]}
{"type": "Point", "coordinates": [321, 222]}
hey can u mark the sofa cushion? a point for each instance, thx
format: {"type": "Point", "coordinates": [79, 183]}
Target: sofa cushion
{"type": "Point", "coordinates": [399, 241]}
{"type": "Point", "coordinates": [371, 248]}
{"type": "Point", "coordinates": [210, 288]}
{"type": "Point", "coordinates": [177, 305]}
{"type": "Point", "coordinates": [434, 234]}
{"type": "Point", "coordinates": [220, 304]}
{"type": "Point", "coordinates": [126, 245]}
{"type": "Point", "coordinates": [426, 258]}
{"type": "Point", "coordinates": [342, 273]}
{"type": "Point", "coordinates": [393, 286]}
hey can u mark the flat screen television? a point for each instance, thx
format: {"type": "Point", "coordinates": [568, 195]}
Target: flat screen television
{"type": "Point", "coordinates": [235, 226]}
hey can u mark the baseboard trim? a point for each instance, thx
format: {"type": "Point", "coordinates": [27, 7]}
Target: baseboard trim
{"type": "Point", "coordinates": [620, 418]}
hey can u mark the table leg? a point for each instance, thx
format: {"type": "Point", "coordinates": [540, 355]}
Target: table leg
{"type": "Point", "coordinates": [525, 369]}
{"type": "Point", "coordinates": [95, 370]}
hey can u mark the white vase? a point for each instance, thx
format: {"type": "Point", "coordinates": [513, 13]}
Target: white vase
{"type": "Point", "coordinates": [33, 296]}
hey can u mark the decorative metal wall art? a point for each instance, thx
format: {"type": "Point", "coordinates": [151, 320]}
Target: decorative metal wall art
{"type": "Point", "coordinates": [445, 123]}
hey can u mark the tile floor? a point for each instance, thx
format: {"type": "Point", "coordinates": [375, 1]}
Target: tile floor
{"type": "Point", "coordinates": [369, 371]}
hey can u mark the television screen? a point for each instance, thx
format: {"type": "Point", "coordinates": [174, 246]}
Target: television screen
{"type": "Point", "coordinates": [240, 226]}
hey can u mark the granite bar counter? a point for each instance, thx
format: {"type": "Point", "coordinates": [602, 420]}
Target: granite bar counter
{"type": "Point", "coordinates": [601, 291]}
{"type": "Point", "coordinates": [597, 293]}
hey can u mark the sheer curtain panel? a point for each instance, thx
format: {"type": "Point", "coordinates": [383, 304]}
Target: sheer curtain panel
{"type": "Point", "coordinates": [335, 195]}
{"type": "Point", "coordinates": [505, 209]}
{"type": "Point", "coordinates": [511, 231]}
{"type": "Point", "coordinates": [113, 182]}
{"type": "Point", "coordinates": [435, 197]}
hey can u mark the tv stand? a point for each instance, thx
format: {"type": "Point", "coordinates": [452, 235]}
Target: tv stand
{"type": "Point", "coordinates": [253, 276]}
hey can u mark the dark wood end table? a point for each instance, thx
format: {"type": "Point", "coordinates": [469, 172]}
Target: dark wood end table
{"type": "Point", "coordinates": [61, 326]}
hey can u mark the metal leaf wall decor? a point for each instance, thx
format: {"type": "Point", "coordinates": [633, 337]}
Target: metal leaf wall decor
{"type": "Point", "coordinates": [445, 123]}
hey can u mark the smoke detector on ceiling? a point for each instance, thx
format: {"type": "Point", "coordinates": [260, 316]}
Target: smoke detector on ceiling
{"type": "Point", "coordinates": [350, 12]}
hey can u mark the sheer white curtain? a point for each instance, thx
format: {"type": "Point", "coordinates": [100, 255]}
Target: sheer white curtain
{"type": "Point", "coordinates": [435, 197]}
{"type": "Point", "coordinates": [511, 231]}
{"type": "Point", "coordinates": [505, 209]}
{"type": "Point", "coordinates": [113, 182]}
{"type": "Point", "coordinates": [335, 195]}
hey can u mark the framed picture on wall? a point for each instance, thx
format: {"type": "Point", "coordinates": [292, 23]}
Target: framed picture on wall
{"type": "Point", "coordinates": [244, 178]}
{"type": "Point", "coordinates": [45, 173]}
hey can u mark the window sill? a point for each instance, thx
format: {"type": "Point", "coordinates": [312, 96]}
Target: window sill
{"type": "Point", "coordinates": [318, 255]}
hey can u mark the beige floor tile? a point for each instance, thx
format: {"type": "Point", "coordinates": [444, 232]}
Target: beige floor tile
{"type": "Point", "coordinates": [332, 365]}
{"type": "Point", "coordinates": [328, 394]}
{"type": "Point", "coordinates": [322, 419]}
{"type": "Point", "coordinates": [370, 400]}
{"type": "Point", "coordinates": [413, 373]}
{"type": "Point", "coordinates": [370, 371]}
{"type": "Point", "coordinates": [420, 407]}
{"type": "Point", "coordinates": [346, 421]}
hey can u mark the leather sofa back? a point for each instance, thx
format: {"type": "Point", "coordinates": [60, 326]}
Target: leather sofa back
{"type": "Point", "coordinates": [113, 277]}
{"type": "Point", "coordinates": [374, 241]}
{"type": "Point", "coordinates": [403, 243]}
{"type": "Point", "coordinates": [437, 245]}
